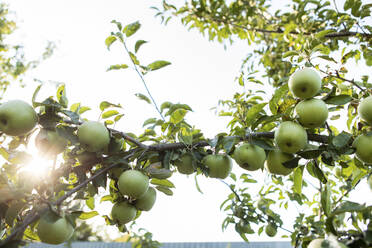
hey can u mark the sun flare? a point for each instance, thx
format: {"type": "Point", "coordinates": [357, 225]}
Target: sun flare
{"type": "Point", "coordinates": [38, 167]}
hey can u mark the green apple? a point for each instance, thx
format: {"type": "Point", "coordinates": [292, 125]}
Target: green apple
{"type": "Point", "coordinates": [123, 212]}
{"type": "Point", "coordinates": [249, 156]}
{"type": "Point", "coordinates": [50, 143]}
{"type": "Point", "coordinates": [363, 146]}
{"type": "Point", "coordinates": [147, 201]}
{"type": "Point", "coordinates": [275, 160]}
{"type": "Point", "coordinates": [219, 165]}
{"type": "Point", "coordinates": [17, 118]}
{"type": "Point", "coordinates": [243, 227]}
{"type": "Point", "coordinates": [312, 113]}
{"type": "Point", "coordinates": [290, 137]}
{"type": "Point", "coordinates": [305, 83]}
{"type": "Point", "coordinates": [185, 164]}
{"type": "Point", "coordinates": [53, 229]}
{"type": "Point", "coordinates": [370, 181]}
{"type": "Point", "coordinates": [365, 110]}
{"type": "Point", "coordinates": [93, 136]}
{"type": "Point", "coordinates": [133, 183]}
{"type": "Point", "coordinates": [330, 243]}
{"type": "Point", "coordinates": [271, 230]}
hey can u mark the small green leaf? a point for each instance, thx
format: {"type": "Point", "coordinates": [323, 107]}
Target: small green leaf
{"type": "Point", "coordinates": [290, 54]}
{"type": "Point", "coordinates": [117, 67]}
{"type": "Point", "coordinates": [90, 202]}
{"type": "Point", "coordinates": [162, 182]}
{"type": "Point", "coordinates": [109, 113]}
{"type": "Point", "coordinates": [165, 190]}
{"type": "Point", "coordinates": [88, 215]}
{"type": "Point", "coordinates": [253, 112]}
{"type": "Point", "coordinates": [158, 64]}
{"type": "Point", "coordinates": [297, 179]}
{"type": "Point", "coordinates": [61, 96]}
{"type": "Point", "coordinates": [104, 105]}
{"type": "Point", "coordinates": [134, 58]}
{"type": "Point", "coordinates": [338, 100]}
{"type": "Point", "coordinates": [131, 29]}
{"type": "Point", "coordinates": [293, 163]}
{"type": "Point", "coordinates": [35, 95]}
{"type": "Point", "coordinates": [143, 97]}
{"type": "Point", "coordinates": [118, 117]}
{"type": "Point", "coordinates": [325, 199]}
{"type": "Point", "coordinates": [118, 24]}
{"type": "Point", "coordinates": [342, 139]}
{"type": "Point", "coordinates": [310, 154]}
{"type": "Point", "coordinates": [110, 40]}
{"type": "Point", "coordinates": [177, 116]}
{"type": "Point", "coordinates": [138, 44]}
{"type": "Point", "coordinates": [323, 33]}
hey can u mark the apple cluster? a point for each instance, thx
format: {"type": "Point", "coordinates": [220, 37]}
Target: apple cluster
{"type": "Point", "coordinates": [140, 196]}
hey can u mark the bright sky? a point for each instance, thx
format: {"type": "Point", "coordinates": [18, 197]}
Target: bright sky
{"type": "Point", "coordinates": [201, 73]}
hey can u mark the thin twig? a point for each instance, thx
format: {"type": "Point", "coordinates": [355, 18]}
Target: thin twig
{"type": "Point", "coordinates": [143, 81]}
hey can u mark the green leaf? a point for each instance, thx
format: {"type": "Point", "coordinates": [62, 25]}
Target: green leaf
{"type": "Point", "coordinates": [348, 206]}
{"type": "Point", "coordinates": [293, 163]}
{"type": "Point", "coordinates": [34, 104]}
{"type": "Point", "coordinates": [118, 117]}
{"type": "Point", "coordinates": [158, 64]}
{"type": "Point", "coordinates": [165, 190]}
{"type": "Point", "coordinates": [110, 40]}
{"type": "Point", "coordinates": [61, 96]}
{"type": "Point", "coordinates": [104, 105]}
{"type": "Point", "coordinates": [323, 33]}
{"type": "Point", "coordinates": [297, 179]}
{"type": "Point", "coordinates": [117, 67]}
{"type": "Point", "coordinates": [88, 215]}
{"type": "Point", "coordinates": [342, 139]}
{"type": "Point", "coordinates": [162, 182]}
{"type": "Point", "coordinates": [149, 121]}
{"type": "Point", "coordinates": [106, 198]}
{"type": "Point", "coordinates": [253, 112]}
{"type": "Point", "coordinates": [143, 97]}
{"type": "Point", "coordinates": [229, 143]}
{"type": "Point", "coordinates": [278, 95]}
{"type": "Point", "coordinates": [310, 154]}
{"type": "Point", "coordinates": [290, 54]}
{"type": "Point", "coordinates": [109, 113]}
{"type": "Point", "coordinates": [197, 184]}
{"type": "Point", "coordinates": [134, 58]}
{"type": "Point", "coordinates": [325, 199]}
{"type": "Point", "coordinates": [177, 116]}
{"type": "Point", "coordinates": [118, 24]}
{"type": "Point", "coordinates": [138, 44]}
{"type": "Point", "coordinates": [131, 29]}
{"type": "Point", "coordinates": [90, 202]}
{"type": "Point", "coordinates": [338, 100]}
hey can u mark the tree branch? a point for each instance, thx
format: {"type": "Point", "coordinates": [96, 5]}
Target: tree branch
{"type": "Point", "coordinates": [35, 215]}
{"type": "Point", "coordinates": [340, 34]}
{"type": "Point", "coordinates": [269, 135]}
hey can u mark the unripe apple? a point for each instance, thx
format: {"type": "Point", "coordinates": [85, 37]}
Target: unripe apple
{"type": "Point", "coordinates": [50, 143]}
{"type": "Point", "coordinates": [53, 229]}
{"type": "Point", "coordinates": [290, 137]}
{"type": "Point", "coordinates": [312, 113]}
{"type": "Point", "coordinates": [17, 118]}
{"type": "Point", "coordinates": [93, 136]}
{"type": "Point", "coordinates": [184, 164]}
{"type": "Point", "coordinates": [363, 146]}
{"type": "Point", "coordinates": [365, 110]}
{"type": "Point", "coordinates": [275, 160]}
{"type": "Point", "coordinates": [271, 230]}
{"type": "Point", "coordinates": [319, 243]}
{"type": "Point", "coordinates": [123, 212]}
{"type": "Point", "coordinates": [249, 156]}
{"type": "Point", "coordinates": [133, 183]}
{"type": "Point", "coordinates": [305, 83]}
{"type": "Point", "coordinates": [219, 165]}
{"type": "Point", "coordinates": [147, 201]}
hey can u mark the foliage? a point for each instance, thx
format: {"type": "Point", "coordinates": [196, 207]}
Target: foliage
{"type": "Point", "coordinates": [305, 33]}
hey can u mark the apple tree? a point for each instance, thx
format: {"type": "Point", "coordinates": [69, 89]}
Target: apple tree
{"type": "Point", "coordinates": [310, 136]}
